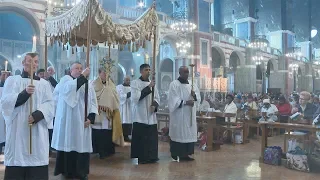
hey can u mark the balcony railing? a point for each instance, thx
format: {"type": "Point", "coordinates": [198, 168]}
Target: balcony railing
{"type": "Point", "coordinates": [224, 38]}
{"type": "Point", "coordinates": [133, 13]}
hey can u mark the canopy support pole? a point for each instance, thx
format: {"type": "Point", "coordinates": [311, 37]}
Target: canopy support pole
{"type": "Point", "coordinates": [154, 58]}
{"type": "Point", "coordinates": [87, 60]}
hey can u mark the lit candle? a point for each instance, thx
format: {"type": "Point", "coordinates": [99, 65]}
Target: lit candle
{"type": "Point", "coordinates": [132, 72]}
{"type": "Point", "coordinates": [6, 66]}
{"type": "Point", "coordinates": [34, 44]}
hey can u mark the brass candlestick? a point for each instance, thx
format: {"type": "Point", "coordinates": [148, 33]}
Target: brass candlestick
{"type": "Point", "coordinates": [31, 104]}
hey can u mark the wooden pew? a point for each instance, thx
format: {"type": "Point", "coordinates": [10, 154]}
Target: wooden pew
{"type": "Point", "coordinates": [287, 126]}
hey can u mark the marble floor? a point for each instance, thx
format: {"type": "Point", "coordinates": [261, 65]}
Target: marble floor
{"type": "Point", "coordinates": [240, 162]}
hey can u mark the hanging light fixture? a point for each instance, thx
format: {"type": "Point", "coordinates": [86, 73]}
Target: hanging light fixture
{"type": "Point", "coordinates": [183, 46]}
{"type": "Point", "coordinates": [257, 59]}
{"type": "Point", "coordinates": [294, 52]}
{"type": "Point", "coordinates": [183, 26]}
{"type": "Point", "coordinates": [294, 67]}
{"type": "Point", "coordinates": [259, 42]}
{"type": "Point", "coordinates": [59, 7]}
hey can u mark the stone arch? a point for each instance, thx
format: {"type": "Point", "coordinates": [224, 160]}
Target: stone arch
{"type": "Point", "coordinates": [308, 69]}
{"type": "Point", "coordinates": [218, 57]}
{"type": "Point", "coordinates": [270, 67]}
{"type": "Point", "coordinates": [273, 64]}
{"type": "Point", "coordinates": [240, 56]}
{"type": "Point", "coordinates": [24, 12]}
{"type": "Point", "coordinates": [234, 60]}
{"type": "Point", "coordinates": [171, 39]}
{"type": "Point", "coordinates": [123, 70]}
{"type": "Point", "coordinates": [51, 64]}
{"type": "Point", "coordinates": [315, 73]}
{"type": "Point", "coordinates": [121, 74]}
{"type": "Point", "coordinates": [299, 71]}
{"type": "Point", "coordinates": [259, 71]}
{"type": "Point", "coordinates": [165, 63]}
{"type": "Point", "coordinates": [166, 73]}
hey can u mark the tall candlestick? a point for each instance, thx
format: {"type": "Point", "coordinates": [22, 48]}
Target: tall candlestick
{"type": "Point", "coordinates": [6, 66]}
{"type": "Point", "coordinates": [132, 72]}
{"type": "Point", "coordinates": [34, 44]}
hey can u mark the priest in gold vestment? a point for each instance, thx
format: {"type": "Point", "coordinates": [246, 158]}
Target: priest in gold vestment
{"type": "Point", "coordinates": [107, 129]}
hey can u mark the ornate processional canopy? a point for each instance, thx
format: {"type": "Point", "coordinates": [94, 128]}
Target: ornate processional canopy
{"type": "Point", "coordinates": [71, 27]}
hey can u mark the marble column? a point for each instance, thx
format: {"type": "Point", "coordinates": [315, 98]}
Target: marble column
{"type": "Point", "coordinates": [276, 80]}
{"type": "Point", "coordinates": [245, 80]}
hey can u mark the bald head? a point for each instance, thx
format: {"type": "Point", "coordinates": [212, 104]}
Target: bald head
{"type": "Point", "coordinates": [184, 72]}
{"type": "Point", "coordinates": [126, 81]}
{"type": "Point", "coordinates": [183, 68]}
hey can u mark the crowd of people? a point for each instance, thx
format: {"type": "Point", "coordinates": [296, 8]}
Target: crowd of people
{"type": "Point", "coordinates": [302, 108]}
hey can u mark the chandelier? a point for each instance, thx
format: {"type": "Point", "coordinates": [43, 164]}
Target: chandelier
{"type": "Point", "coordinates": [183, 46]}
{"type": "Point", "coordinates": [258, 59]}
{"type": "Point", "coordinates": [294, 67]}
{"type": "Point", "coordinates": [316, 62]}
{"type": "Point", "coordinates": [294, 52]}
{"type": "Point", "coordinates": [259, 42]}
{"type": "Point", "coordinates": [59, 7]}
{"type": "Point", "coordinates": [183, 26]}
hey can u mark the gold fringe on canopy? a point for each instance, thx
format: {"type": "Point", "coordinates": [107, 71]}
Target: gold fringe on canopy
{"type": "Point", "coordinates": [74, 23]}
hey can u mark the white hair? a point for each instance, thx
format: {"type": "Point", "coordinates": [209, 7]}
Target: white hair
{"type": "Point", "coordinates": [50, 67]}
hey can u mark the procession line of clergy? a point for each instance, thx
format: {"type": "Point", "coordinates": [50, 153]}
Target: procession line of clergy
{"type": "Point", "coordinates": [72, 132]}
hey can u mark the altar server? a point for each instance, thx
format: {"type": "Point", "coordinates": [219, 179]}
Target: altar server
{"type": "Point", "coordinates": [4, 76]}
{"type": "Point", "coordinates": [49, 77]}
{"type": "Point", "coordinates": [15, 102]}
{"type": "Point", "coordinates": [144, 145]}
{"type": "Point", "coordinates": [72, 131]}
{"type": "Point", "coordinates": [124, 92]}
{"type": "Point", "coordinates": [183, 124]}
{"type": "Point", "coordinates": [107, 130]}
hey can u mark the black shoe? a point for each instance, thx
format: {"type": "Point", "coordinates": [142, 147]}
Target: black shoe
{"type": "Point", "coordinates": [84, 177]}
{"type": "Point", "coordinates": [142, 161]}
{"type": "Point", "coordinates": [186, 158]}
{"type": "Point", "coordinates": [175, 158]}
{"type": "Point", "coordinates": [127, 139]}
{"type": "Point", "coordinates": [150, 161]}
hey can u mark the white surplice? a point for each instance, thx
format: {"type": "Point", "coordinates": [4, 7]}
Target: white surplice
{"type": "Point", "coordinates": [141, 111]}
{"type": "Point", "coordinates": [2, 124]}
{"type": "Point", "coordinates": [125, 110]}
{"type": "Point", "coordinates": [17, 128]}
{"type": "Point", "coordinates": [55, 105]}
{"type": "Point", "coordinates": [69, 133]}
{"type": "Point", "coordinates": [182, 129]}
